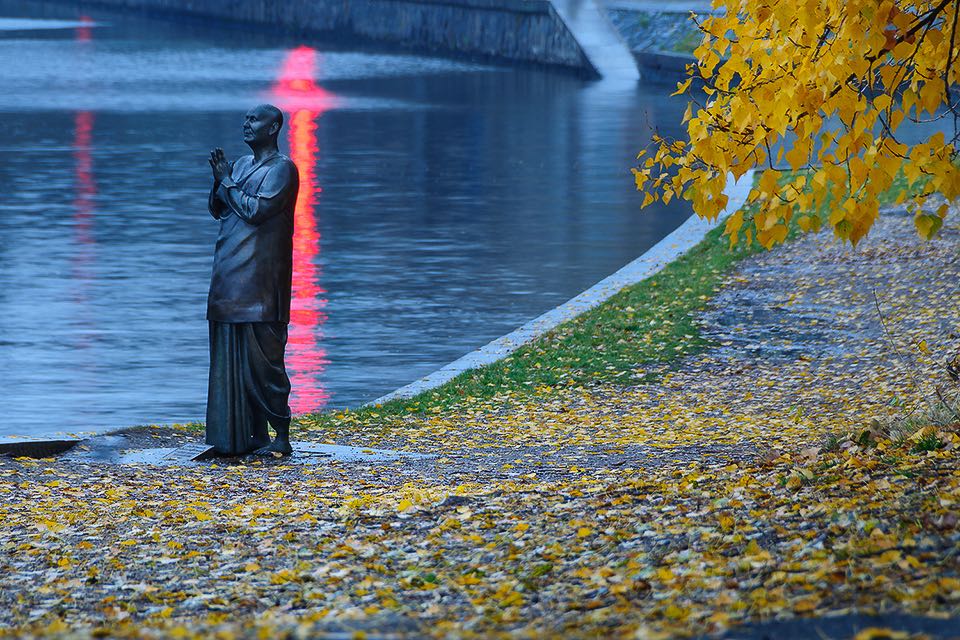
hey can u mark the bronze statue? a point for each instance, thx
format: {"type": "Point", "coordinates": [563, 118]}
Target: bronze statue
{"type": "Point", "coordinates": [248, 307]}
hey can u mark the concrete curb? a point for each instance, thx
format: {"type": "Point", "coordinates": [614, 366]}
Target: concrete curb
{"type": "Point", "coordinates": [686, 236]}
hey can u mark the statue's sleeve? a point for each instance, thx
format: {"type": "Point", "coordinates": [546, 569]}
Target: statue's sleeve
{"type": "Point", "coordinates": [277, 192]}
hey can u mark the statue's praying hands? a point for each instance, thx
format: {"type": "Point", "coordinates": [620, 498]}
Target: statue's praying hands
{"type": "Point", "coordinates": [219, 165]}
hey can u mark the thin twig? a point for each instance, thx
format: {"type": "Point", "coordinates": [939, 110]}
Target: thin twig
{"type": "Point", "coordinates": [911, 367]}
{"type": "Point", "coordinates": [946, 403]}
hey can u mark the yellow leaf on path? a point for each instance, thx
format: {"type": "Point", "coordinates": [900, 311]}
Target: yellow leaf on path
{"type": "Point", "coordinates": [675, 613]}
{"type": "Point", "coordinates": [583, 532]}
{"type": "Point", "coordinates": [282, 577]}
{"type": "Point", "coordinates": [880, 633]}
{"type": "Point", "coordinates": [922, 433]}
{"type": "Point", "coordinates": [202, 516]}
{"type": "Point", "coordinates": [806, 605]}
{"type": "Point", "coordinates": [726, 522]}
{"type": "Point", "coordinates": [404, 505]}
{"type": "Point", "coordinates": [720, 618]}
{"type": "Point", "coordinates": [665, 574]}
{"type": "Point", "coordinates": [890, 556]}
{"type": "Point", "coordinates": [52, 525]}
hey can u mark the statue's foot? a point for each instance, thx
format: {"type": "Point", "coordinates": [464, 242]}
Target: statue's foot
{"type": "Point", "coordinates": [277, 448]}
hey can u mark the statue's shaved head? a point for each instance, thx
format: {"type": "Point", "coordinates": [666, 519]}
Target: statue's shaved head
{"type": "Point", "coordinates": [271, 112]}
{"type": "Point", "coordinates": [261, 126]}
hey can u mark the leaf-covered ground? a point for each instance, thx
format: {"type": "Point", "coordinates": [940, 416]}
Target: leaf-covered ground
{"type": "Point", "coordinates": [787, 471]}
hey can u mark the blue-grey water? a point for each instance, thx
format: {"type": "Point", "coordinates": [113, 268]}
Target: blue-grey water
{"type": "Point", "coordinates": [444, 204]}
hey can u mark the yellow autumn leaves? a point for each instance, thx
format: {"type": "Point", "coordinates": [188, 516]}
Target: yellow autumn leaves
{"type": "Point", "coordinates": [831, 91]}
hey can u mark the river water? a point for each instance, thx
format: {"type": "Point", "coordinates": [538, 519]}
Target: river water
{"type": "Point", "coordinates": [443, 204]}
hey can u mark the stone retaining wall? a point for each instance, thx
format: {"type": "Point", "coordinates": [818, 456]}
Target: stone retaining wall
{"type": "Point", "coordinates": [516, 30]}
{"type": "Point", "coordinates": [662, 40]}
{"type": "Point", "coordinates": [662, 67]}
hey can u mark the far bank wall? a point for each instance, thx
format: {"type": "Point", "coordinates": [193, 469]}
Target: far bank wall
{"type": "Point", "coordinates": [517, 30]}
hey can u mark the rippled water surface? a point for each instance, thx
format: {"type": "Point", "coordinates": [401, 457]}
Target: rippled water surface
{"type": "Point", "coordinates": [443, 204]}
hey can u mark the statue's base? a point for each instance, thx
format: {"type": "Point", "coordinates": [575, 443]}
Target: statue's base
{"type": "Point", "coordinates": [193, 452]}
{"type": "Point", "coordinates": [140, 446]}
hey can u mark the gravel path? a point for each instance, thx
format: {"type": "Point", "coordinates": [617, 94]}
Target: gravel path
{"type": "Point", "coordinates": [702, 502]}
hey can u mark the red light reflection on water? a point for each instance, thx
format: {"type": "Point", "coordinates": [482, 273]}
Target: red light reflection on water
{"type": "Point", "coordinates": [85, 32]}
{"type": "Point", "coordinates": [82, 146]}
{"type": "Point", "coordinates": [85, 192]}
{"type": "Point", "coordinates": [297, 93]}
{"type": "Point", "coordinates": [83, 172]}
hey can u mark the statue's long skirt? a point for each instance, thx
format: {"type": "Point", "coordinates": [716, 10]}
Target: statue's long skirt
{"type": "Point", "coordinates": [248, 384]}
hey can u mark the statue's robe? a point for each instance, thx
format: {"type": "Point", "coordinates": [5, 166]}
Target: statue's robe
{"type": "Point", "coordinates": [248, 307]}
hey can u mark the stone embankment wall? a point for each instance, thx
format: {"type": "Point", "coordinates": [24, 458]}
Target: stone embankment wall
{"type": "Point", "coordinates": [518, 30]}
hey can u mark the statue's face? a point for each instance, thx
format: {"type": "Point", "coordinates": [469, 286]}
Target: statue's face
{"type": "Point", "coordinates": [259, 126]}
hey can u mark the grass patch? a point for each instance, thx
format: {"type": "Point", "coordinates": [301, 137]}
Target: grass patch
{"type": "Point", "coordinates": [650, 322]}
{"type": "Point", "coordinates": [928, 442]}
{"type": "Point", "coordinates": [939, 413]}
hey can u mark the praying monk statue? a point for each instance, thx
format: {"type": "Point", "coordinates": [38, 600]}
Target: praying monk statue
{"type": "Point", "coordinates": [248, 307]}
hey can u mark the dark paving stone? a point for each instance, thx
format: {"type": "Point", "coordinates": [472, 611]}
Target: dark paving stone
{"type": "Point", "coordinates": [847, 626]}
